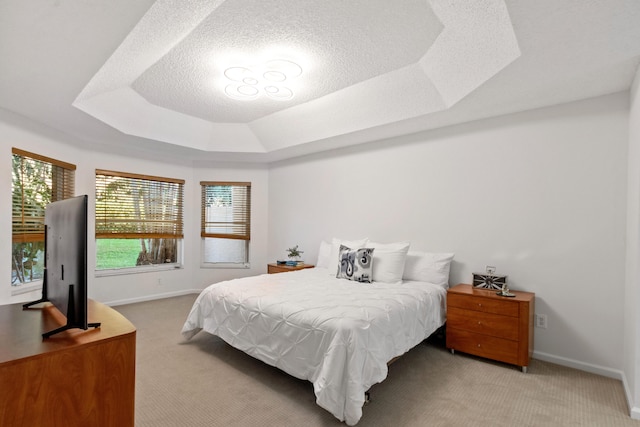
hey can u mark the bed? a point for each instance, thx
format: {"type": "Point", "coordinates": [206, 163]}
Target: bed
{"type": "Point", "coordinates": [339, 334]}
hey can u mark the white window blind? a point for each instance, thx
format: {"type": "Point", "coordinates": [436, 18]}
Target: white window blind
{"type": "Point", "coordinates": [225, 225]}
{"type": "Point", "coordinates": [226, 210]}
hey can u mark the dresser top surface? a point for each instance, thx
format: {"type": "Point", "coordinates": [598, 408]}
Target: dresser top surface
{"type": "Point", "coordinates": [21, 330]}
{"type": "Point", "coordinates": [466, 289]}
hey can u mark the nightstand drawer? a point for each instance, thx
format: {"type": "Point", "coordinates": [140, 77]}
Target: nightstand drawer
{"type": "Point", "coordinates": [483, 304]}
{"type": "Point", "coordinates": [283, 268]}
{"type": "Point", "coordinates": [484, 323]}
{"type": "Point", "coordinates": [481, 345]}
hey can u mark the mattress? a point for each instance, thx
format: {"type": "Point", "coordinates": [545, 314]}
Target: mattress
{"type": "Point", "coordinates": [336, 333]}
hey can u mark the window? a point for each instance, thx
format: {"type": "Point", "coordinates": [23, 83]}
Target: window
{"type": "Point", "coordinates": [36, 181]}
{"type": "Point", "coordinates": [139, 220]}
{"type": "Point", "coordinates": [225, 225]}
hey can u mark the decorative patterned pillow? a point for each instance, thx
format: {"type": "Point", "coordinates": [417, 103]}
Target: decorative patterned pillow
{"type": "Point", "coordinates": [355, 264]}
{"type": "Point", "coordinates": [334, 257]}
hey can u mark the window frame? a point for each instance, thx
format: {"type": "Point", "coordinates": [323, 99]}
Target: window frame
{"type": "Point", "coordinates": [62, 187]}
{"type": "Point", "coordinates": [236, 230]}
{"type": "Point", "coordinates": [167, 224]}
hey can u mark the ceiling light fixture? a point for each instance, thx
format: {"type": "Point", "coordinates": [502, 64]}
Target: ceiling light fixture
{"type": "Point", "coordinates": [272, 79]}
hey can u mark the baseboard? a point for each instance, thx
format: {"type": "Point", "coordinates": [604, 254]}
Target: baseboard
{"type": "Point", "coordinates": [576, 364]}
{"type": "Point", "coordinates": [152, 297]}
{"type": "Point", "coordinates": [634, 411]}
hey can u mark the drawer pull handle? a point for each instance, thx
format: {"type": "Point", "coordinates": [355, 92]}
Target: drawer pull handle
{"type": "Point", "coordinates": [479, 305]}
{"type": "Point", "coordinates": [478, 345]}
{"type": "Point", "coordinates": [479, 323]}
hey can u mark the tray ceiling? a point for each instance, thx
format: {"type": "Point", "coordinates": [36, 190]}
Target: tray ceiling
{"type": "Point", "coordinates": [267, 80]}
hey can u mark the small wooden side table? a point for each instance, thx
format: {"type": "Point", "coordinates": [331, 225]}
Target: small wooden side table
{"type": "Point", "coordinates": [283, 268]}
{"type": "Point", "coordinates": [482, 323]}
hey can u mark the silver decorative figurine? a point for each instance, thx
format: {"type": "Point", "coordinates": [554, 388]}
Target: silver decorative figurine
{"type": "Point", "coordinates": [504, 292]}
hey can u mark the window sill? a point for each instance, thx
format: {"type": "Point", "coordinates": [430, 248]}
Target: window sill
{"type": "Point", "coordinates": [225, 265]}
{"type": "Point", "coordinates": [137, 270]}
{"type": "Point", "coordinates": [25, 289]}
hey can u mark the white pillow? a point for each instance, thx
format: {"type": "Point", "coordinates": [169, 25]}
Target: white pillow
{"type": "Point", "coordinates": [334, 258]}
{"type": "Point", "coordinates": [388, 261]}
{"type": "Point", "coordinates": [428, 267]}
{"type": "Point", "coordinates": [324, 253]}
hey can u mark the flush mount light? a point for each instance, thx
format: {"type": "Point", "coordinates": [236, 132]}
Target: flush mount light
{"type": "Point", "coordinates": [271, 79]}
{"type": "Point", "coordinates": [275, 76]}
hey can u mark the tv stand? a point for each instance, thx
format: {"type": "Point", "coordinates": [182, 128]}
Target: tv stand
{"type": "Point", "coordinates": [45, 292]}
{"type": "Point", "coordinates": [72, 322]}
{"type": "Point", "coordinates": [67, 327]}
{"type": "Point", "coordinates": [32, 303]}
{"type": "Point", "coordinates": [80, 378]}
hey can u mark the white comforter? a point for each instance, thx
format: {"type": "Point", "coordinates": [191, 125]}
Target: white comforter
{"type": "Point", "coordinates": [336, 333]}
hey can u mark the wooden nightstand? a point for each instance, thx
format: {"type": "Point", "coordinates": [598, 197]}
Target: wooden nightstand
{"type": "Point", "coordinates": [281, 268]}
{"type": "Point", "coordinates": [481, 323]}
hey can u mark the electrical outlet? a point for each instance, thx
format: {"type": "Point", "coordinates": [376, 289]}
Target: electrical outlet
{"type": "Point", "coordinates": [489, 269]}
{"type": "Point", "coordinates": [541, 321]}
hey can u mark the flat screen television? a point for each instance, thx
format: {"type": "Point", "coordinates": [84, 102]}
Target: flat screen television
{"type": "Point", "coordinates": [65, 265]}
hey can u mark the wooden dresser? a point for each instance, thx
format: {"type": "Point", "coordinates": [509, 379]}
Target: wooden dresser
{"type": "Point", "coordinates": [74, 378]}
{"type": "Point", "coordinates": [283, 268]}
{"type": "Point", "coordinates": [481, 323]}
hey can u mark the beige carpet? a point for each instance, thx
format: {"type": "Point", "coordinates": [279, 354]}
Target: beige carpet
{"type": "Point", "coordinates": [205, 382]}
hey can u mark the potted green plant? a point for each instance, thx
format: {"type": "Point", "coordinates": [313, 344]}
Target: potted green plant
{"type": "Point", "coordinates": [294, 255]}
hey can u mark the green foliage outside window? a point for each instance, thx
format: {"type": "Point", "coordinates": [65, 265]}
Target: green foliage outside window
{"type": "Point", "coordinates": [31, 185]}
{"type": "Point", "coordinates": [136, 219]}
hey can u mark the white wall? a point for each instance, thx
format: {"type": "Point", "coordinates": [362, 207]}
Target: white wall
{"type": "Point", "coordinates": [540, 194]}
{"type": "Point", "coordinates": [20, 133]}
{"type": "Point", "coordinates": [632, 288]}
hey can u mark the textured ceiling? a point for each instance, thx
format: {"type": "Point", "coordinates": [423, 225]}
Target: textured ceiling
{"type": "Point", "coordinates": [333, 53]}
{"type": "Point", "coordinates": [150, 76]}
